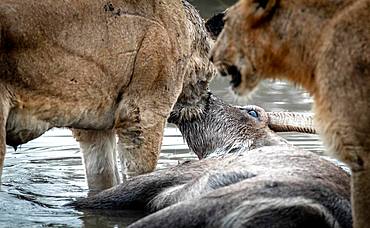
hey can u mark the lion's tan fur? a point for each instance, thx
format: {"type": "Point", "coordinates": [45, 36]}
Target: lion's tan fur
{"type": "Point", "coordinates": [323, 46]}
{"type": "Point", "coordinates": [94, 66]}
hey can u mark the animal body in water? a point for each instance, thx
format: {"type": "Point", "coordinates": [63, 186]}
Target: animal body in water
{"type": "Point", "coordinates": [247, 176]}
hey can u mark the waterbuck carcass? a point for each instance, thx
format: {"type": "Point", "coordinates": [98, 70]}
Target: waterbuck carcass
{"type": "Point", "coordinates": [247, 176]}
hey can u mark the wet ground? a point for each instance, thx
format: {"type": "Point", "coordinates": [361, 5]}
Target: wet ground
{"type": "Point", "coordinates": [44, 174]}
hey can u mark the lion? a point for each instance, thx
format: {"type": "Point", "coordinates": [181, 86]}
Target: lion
{"type": "Point", "coordinates": [100, 68]}
{"type": "Point", "coordinates": [323, 46]}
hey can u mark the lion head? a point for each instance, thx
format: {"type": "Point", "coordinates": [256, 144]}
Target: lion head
{"type": "Point", "coordinates": [270, 39]}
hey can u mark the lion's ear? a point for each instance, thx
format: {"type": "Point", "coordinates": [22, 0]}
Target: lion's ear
{"type": "Point", "coordinates": [261, 10]}
{"type": "Point", "coordinates": [215, 24]}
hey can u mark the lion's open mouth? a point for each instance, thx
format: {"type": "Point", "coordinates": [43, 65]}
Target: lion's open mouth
{"type": "Point", "coordinates": [236, 77]}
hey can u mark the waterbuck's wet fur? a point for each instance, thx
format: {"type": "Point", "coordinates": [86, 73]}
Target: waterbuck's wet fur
{"type": "Point", "coordinates": [249, 177]}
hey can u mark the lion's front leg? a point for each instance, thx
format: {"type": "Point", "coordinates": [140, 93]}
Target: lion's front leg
{"type": "Point", "coordinates": [99, 156]}
{"type": "Point", "coordinates": [140, 132]}
{"type": "Point", "coordinates": [154, 86]}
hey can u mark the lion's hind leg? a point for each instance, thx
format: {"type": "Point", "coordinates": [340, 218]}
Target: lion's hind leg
{"type": "Point", "coordinates": [99, 155]}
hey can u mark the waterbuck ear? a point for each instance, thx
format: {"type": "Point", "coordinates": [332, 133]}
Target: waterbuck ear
{"type": "Point", "coordinates": [215, 24]}
{"type": "Point", "coordinates": [261, 10]}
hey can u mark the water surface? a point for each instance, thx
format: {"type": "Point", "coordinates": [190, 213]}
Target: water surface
{"type": "Point", "coordinates": [46, 173]}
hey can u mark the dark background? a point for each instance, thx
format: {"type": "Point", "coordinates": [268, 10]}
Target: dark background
{"type": "Point", "coordinates": [208, 8]}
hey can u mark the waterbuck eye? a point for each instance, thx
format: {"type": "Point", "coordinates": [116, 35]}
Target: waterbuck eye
{"type": "Point", "coordinates": [253, 113]}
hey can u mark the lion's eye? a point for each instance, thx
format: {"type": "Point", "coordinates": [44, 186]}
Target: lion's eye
{"type": "Point", "coordinates": [253, 113]}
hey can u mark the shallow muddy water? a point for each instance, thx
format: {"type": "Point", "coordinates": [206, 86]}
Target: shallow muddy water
{"type": "Point", "coordinates": [46, 173]}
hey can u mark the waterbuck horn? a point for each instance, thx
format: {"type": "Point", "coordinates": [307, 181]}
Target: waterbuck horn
{"type": "Point", "coordinates": [291, 121]}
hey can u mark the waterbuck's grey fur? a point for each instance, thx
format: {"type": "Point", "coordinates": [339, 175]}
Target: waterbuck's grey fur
{"type": "Point", "coordinates": [249, 177]}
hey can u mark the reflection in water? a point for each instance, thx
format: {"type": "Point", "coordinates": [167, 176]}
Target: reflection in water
{"type": "Point", "coordinates": [47, 173]}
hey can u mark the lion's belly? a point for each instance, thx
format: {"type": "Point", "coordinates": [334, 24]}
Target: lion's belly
{"type": "Point", "coordinates": [24, 124]}
{"type": "Point", "coordinates": [87, 112]}
{"type": "Point", "coordinates": [23, 127]}
{"type": "Point", "coordinates": [65, 91]}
